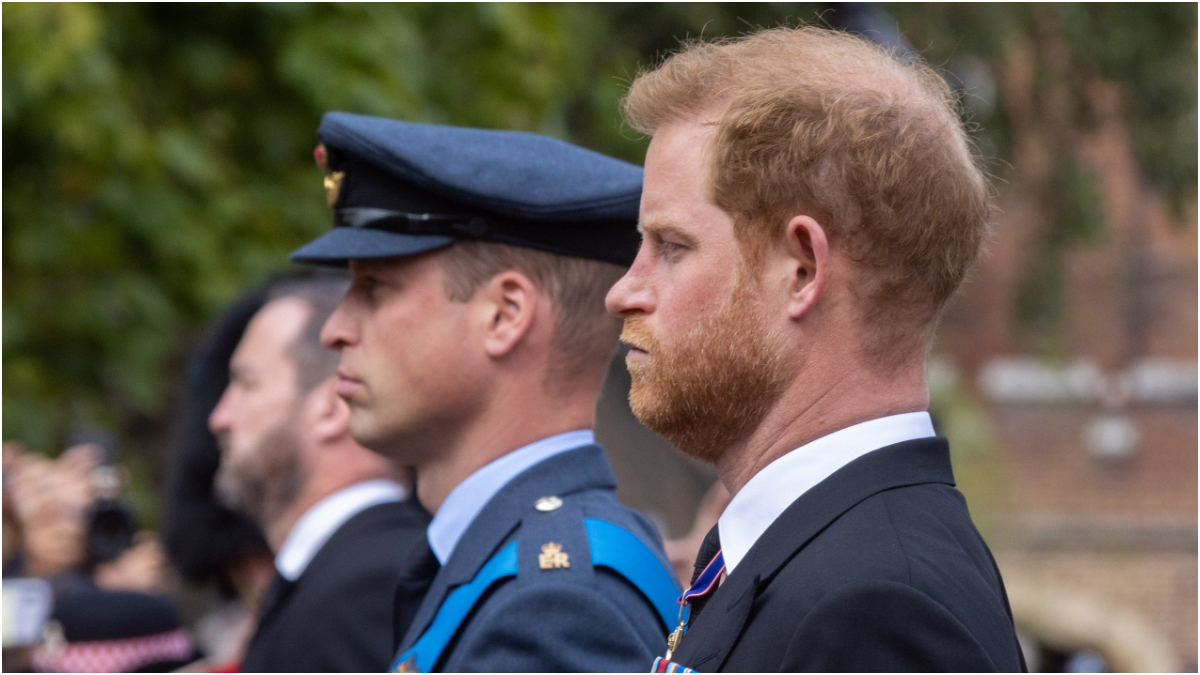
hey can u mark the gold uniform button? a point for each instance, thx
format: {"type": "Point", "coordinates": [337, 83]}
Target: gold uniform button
{"type": "Point", "coordinates": [547, 504]}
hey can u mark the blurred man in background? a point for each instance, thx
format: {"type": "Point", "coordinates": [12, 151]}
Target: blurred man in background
{"type": "Point", "coordinates": [213, 547]}
{"type": "Point", "coordinates": [811, 203]}
{"type": "Point", "coordinates": [343, 525]}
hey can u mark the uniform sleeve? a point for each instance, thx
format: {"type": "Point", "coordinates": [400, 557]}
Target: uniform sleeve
{"type": "Point", "coordinates": [561, 628]}
{"type": "Point", "coordinates": [883, 626]}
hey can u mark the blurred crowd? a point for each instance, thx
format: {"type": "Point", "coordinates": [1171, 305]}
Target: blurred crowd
{"type": "Point", "coordinates": [86, 589]}
{"type": "Point", "coordinates": [78, 568]}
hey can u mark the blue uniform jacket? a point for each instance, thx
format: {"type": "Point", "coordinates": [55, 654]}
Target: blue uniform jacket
{"type": "Point", "coordinates": [565, 618]}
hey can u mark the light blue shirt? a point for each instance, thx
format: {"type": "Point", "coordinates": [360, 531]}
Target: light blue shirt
{"type": "Point", "coordinates": [466, 501]}
{"type": "Point", "coordinates": [765, 496]}
{"type": "Point", "coordinates": [322, 519]}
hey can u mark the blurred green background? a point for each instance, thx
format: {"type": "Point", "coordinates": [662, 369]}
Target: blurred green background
{"type": "Point", "coordinates": [157, 157]}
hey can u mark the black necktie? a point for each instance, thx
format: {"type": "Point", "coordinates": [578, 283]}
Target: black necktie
{"type": "Point", "coordinates": [411, 588]}
{"type": "Point", "coordinates": [708, 550]}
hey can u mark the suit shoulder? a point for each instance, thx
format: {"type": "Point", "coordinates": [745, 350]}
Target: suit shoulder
{"type": "Point", "coordinates": [914, 545]}
{"type": "Point", "coordinates": [915, 536]}
{"type": "Point", "coordinates": [378, 543]}
{"type": "Point", "coordinates": [903, 534]}
{"type": "Point", "coordinates": [884, 626]}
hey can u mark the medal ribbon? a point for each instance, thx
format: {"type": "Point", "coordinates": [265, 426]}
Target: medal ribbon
{"type": "Point", "coordinates": [705, 583]}
{"type": "Point", "coordinates": [707, 580]}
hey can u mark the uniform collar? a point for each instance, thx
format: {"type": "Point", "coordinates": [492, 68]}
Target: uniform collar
{"type": "Point", "coordinates": [465, 502]}
{"type": "Point", "coordinates": [320, 521]}
{"type": "Point", "coordinates": [772, 490]}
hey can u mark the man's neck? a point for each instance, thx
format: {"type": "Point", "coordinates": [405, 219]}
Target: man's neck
{"type": "Point", "coordinates": [279, 527]}
{"type": "Point", "coordinates": [808, 411]}
{"type": "Point", "coordinates": [499, 431]}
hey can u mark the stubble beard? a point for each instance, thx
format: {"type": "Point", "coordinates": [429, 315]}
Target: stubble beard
{"type": "Point", "coordinates": [710, 389]}
{"type": "Point", "coordinates": [266, 484]}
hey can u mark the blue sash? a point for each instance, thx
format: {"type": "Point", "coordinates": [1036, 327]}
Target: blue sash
{"type": "Point", "coordinates": [611, 546]}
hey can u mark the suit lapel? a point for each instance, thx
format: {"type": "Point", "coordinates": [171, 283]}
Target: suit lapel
{"type": "Point", "coordinates": [571, 471]}
{"type": "Point", "coordinates": [709, 642]}
{"type": "Point", "coordinates": [273, 598]}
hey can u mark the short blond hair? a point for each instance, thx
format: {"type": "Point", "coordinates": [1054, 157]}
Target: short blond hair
{"type": "Point", "coordinates": [585, 333]}
{"type": "Point", "coordinates": [820, 122]}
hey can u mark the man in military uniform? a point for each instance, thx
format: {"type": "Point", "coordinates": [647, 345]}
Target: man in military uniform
{"type": "Point", "coordinates": [473, 345]}
{"type": "Point", "coordinates": [347, 536]}
{"type": "Point", "coordinates": [810, 204]}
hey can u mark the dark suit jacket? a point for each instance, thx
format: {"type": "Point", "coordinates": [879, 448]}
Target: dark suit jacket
{"type": "Point", "coordinates": [338, 616]}
{"type": "Point", "coordinates": [876, 568]}
{"type": "Point", "coordinates": [561, 620]}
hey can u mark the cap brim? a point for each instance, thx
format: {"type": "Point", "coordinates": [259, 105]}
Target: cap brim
{"type": "Point", "coordinates": [350, 243]}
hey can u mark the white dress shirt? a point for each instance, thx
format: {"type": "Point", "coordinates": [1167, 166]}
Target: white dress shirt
{"type": "Point", "coordinates": [468, 499]}
{"type": "Point", "coordinates": [765, 497]}
{"type": "Point", "coordinates": [320, 521]}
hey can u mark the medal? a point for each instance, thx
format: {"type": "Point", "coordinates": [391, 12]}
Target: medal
{"type": "Point", "coordinates": [705, 583]}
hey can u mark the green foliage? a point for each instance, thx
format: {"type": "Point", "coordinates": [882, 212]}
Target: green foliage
{"type": "Point", "coordinates": [157, 157]}
{"type": "Point", "coordinates": [1151, 50]}
{"type": "Point", "coordinates": [1077, 218]}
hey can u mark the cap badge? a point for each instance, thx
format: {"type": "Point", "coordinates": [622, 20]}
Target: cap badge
{"type": "Point", "coordinates": [333, 179]}
{"type": "Point", "coordinates": [333, 187]}
{"type": "Point", "coordinates": [547, 504]}
{"type": "Point", "coordinates": [553, 558]}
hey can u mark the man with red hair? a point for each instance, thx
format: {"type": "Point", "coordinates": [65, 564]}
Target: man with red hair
{"type": "Point", "coordinates": [810, 204]}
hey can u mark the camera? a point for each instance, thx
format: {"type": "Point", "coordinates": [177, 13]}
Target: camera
{"type": "Point", "coordinates": [111, 524]}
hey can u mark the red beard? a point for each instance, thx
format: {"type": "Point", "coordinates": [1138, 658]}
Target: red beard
{"type": "Point", "coordinates": [711, 388]}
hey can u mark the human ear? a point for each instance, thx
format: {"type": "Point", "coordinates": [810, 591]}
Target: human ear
{"type": "Point", "coordinates": [510, 302]}
{"type": "Point", "coordinates": [329, 413]}
{"type": "Point", "coordinates": [807, 249]}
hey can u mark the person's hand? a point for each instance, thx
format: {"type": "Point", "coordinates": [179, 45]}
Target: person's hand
{"type": "Point", "coordinates": [54, 542]}
{"type": "Point", "coordinates": [12, 524]}
{"type": "Point", "coordinates": [50, 499]}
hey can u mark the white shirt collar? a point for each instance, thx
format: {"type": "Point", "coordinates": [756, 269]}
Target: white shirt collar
{"type": "Point", "coordinates": [765, 497]}
{"type": "Point", "coordinates": [322, 519]}
{"type": "Point", "coordinates": [468, 499]}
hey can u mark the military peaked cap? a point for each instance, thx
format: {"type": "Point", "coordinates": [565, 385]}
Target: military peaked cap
{"type": "Point", "coordinates": [400, 188]}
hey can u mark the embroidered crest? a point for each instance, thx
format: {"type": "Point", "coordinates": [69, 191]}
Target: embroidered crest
{"type": "Point", "coordinates": [553, 558]}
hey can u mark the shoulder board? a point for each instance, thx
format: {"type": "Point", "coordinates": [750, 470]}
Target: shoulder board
{"type": "Point", "coordinates": [612, 546]}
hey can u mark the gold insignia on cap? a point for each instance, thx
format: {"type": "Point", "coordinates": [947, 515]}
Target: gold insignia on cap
{"type": "Point", "coordinates": [333, 187]}
{"type": "Point", "coordinates": [546, 504]}
{"type": "Point", "coordinates": [553, 558]}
